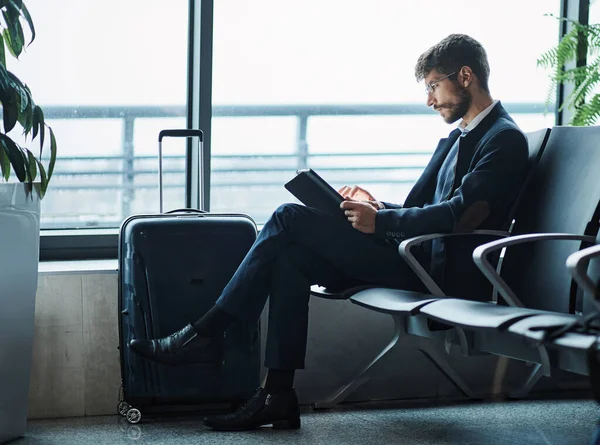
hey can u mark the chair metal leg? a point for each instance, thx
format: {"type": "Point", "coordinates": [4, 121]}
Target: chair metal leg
{"type": "Point", "coordinates": [363, 376]}
{"type": "Point", "coordinates": [440, 361]}
{"type": "Point", "coordinates": [499, 374]}
{"type": "Point", "coordinates": [540, 370]}
{"type": "Point", "coordinates": [534, 377]}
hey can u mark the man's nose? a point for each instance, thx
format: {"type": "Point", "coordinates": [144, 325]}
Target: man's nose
{"type": "Point", "coordinates": [430, 99]}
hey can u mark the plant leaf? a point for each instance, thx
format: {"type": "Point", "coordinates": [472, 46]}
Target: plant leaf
{"type": "Point", "coordinates": [24, 101]}
{"type": "Point", "coordinates": [52, 154]}
{"type": "Point", "coordinates": [579, 41]}
{"type": "Point", "coordinates": [31, 165]}
{"type": "Point", "coordinates": [17, 102]}
{"type": "Point", "coordinates": [21, 91]}
{"type": "Point", "coordinates": [6, 36]}
{"type": "Point", "coordinates": [14, 8]}
{"type": "Point", "coordinates": [27, 16]}
{"type": "Point", "coordinates": [4, 161]}
{"type": "Point", "coordinates": [2, 51]}
{"type": "Point", "coordinates": [4, 83]}
{"type": "Point", "coordinates": [42, 128]}
{"type": "Point", "coordinates": [38, 119]}
{"type": "Point", "coordinates": [16, 157]}
{"type": "Point", "coordinates": [26, 119]}
{"type": "Point", "coordinates": [43, 179]}
{"type": "Point", "coordinates": [14, 31]}
{"type": "Point", "coordinates": [27, 113]}
{"type": "Point", "coordinates": [25, 164]}
{"type": "Point", "coordinates": [588, 113]}
{"type": "Point", "coordinates": [10, 110]}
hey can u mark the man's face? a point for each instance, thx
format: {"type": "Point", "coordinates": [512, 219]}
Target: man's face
{"type": "Point", "coordinates": [447, 96]}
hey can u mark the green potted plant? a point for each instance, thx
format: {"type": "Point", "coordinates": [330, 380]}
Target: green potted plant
{"type": "Point", "coordinates": [581, 42]}
{"type": "Point", "coordinates": [24, 182]}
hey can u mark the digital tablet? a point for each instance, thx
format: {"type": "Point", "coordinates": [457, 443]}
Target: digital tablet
{"type": "Point", "coordinates": [313, 191]}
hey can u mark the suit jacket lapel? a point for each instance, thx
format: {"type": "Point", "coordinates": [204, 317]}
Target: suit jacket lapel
{"type": "Point", "coordinates": [469, 142]}
{"type": "Point", "coordinates": [424, 187]}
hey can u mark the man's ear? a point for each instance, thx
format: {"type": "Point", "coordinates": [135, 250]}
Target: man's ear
{"type": "Point", "coordinates": [466, 76]}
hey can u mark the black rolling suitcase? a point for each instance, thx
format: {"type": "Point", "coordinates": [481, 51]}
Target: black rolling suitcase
{"type": "Point", "coordinates": [172, 269]}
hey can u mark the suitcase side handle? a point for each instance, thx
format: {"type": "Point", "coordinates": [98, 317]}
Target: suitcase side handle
{"type": "Point", "coordinates": [181, 133]}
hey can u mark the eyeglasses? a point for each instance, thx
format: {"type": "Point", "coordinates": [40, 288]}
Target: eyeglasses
{"type": "Point", "coordinates": [430, 87]}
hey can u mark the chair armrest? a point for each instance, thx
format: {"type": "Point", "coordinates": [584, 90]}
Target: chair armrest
{"type": "Point", "coordinates": [481, 253]}
{"type": "Point", "coordinates": [578, 262]}
{"type": "Point", "coordinates": [407, 245]}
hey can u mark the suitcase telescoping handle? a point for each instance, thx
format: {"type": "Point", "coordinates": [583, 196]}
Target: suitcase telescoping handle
{"type": "Point", "coordinates": [180, 134]}
{"type": "Point", "coordinates": [176, 133]}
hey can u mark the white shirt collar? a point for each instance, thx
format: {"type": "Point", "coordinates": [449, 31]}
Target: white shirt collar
{"type": "Point", "coordinates": [477, 118]}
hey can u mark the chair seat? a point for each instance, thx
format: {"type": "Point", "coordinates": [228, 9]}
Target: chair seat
{"type": "Point", "coordinates": [529, 328]}
{"type": "Point", "coordinates": [476, 315]}
{"type": "Point", "coordinates": [392, 301]}
{"type": "Point", "coordinates": [574, 341]}
{"type": "Point", "coordinates": [532, 327]}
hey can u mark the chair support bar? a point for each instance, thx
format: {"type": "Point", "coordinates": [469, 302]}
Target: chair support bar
{"type": "Point", "coordinates": [480, 257]}
{"type": "Point", "coordinates": [578, 262]}
{"type": "Point", "coordinates": [405, 252]}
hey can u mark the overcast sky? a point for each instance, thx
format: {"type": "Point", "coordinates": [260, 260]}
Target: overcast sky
{"type": "Point", "coordinates": [276, 51]}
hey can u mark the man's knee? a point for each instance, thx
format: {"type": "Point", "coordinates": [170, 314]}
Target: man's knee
{"type": "Point", "coordinates": [287, 209]}
{"type": "Point", "coordinates": [287, 213]}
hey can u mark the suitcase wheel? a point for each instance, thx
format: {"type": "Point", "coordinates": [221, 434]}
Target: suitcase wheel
{"type": "Point", "coordinates": [122, 408]}
{"type": "Point", "coordinates": [133, 415]}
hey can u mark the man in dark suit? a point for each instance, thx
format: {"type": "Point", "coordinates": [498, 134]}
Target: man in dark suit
{"type": "Point", "coordinates": [470, 183]}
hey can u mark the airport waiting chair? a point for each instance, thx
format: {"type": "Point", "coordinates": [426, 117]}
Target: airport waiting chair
{"type": "Point", "coordinates": [562, 204]}
{"type": "Point", "coordinates": [402, 304]}
{"type": "Point", "coordinates": [572, 341]}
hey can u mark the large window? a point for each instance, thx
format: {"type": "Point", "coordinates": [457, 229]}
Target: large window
{"type": "Point", "coordinates": [109, 74]}
{"type": "Point", "coordinates": [329, 84]}
{"type": "Point", "coordinates": [326, 84]}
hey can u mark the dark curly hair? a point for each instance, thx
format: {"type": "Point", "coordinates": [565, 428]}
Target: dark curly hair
{"type": "Point", "coordinates": [451, 54]}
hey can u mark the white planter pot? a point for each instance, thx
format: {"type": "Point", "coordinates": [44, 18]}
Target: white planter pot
{"type": "Point", "coordinates": [19, 258]}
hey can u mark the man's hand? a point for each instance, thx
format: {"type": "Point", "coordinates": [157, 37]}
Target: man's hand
{"type": "Point", "coordinates": [361, 214]}
{"type": "Point", "coordinates": [356, 193]}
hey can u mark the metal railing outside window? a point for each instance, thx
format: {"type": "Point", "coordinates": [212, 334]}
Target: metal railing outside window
{"type": "Point", "coordinates": [119, 182]}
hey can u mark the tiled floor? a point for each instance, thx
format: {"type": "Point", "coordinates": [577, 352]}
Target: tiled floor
{"type": "Point", "coordinates": [524, 422]}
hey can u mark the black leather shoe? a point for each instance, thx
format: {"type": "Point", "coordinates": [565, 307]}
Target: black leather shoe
{"type": "Point", "coordinates": [182, 347]}
{"type": "Point", "coordinates": [280, 410]}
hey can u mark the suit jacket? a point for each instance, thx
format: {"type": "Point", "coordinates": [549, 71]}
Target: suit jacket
{"type": "Point", "coordinates": [490, 170]}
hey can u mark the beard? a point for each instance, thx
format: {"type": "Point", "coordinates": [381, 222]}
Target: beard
{"type": "Point", "coordinates": [457, 110]}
